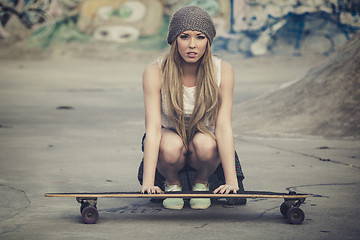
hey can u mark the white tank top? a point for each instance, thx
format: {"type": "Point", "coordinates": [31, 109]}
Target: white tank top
{"type": "Point", "coordinates": [189, 100]}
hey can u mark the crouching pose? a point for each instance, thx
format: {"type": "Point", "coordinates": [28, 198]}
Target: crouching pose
{"type": "Point", "coordinates": [188, 97]}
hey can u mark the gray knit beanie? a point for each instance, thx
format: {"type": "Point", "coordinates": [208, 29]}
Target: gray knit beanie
{"type": "Point", "coordinates": [191, 18]}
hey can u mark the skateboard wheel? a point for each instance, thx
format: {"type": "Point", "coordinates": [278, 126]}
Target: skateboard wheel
{"type": "Point", "coordinates": [284, 209]}
{"type": "Point", "coordinates": [83, 206]}
{"type": "Point", "coordinates": [295, 215]}
{"type": "Point", "coordinates": [90, 215]}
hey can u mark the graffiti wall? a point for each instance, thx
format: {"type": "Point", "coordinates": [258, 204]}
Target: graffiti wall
{"type": "Point", "coordinates": [246, 27]}
{"type": "Point", "coordinates": [260, 27]}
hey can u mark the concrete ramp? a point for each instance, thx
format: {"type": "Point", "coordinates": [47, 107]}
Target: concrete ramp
{"type": "Point", "coordinates": [325, 102]}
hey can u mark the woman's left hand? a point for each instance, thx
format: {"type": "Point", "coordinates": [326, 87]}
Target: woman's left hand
{"type": "Point", "coordinates": [227, 188]}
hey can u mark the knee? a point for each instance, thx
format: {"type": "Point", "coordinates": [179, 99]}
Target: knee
{"type": "Point", "coordinates": [205, 147]}
{"type": "Point", "coordinates": [170, 150]}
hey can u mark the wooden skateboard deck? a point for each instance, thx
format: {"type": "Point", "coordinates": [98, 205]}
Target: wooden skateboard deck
{"type": "Point", "coordinates": [289, 208]}
{"type": "Point", "coordinates": [185, 195]}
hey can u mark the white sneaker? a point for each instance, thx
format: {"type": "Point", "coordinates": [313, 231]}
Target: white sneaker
{"type": "Point", "coordinates": [200, 203]}
{"type": "Point", "coordinates": [173, 203]}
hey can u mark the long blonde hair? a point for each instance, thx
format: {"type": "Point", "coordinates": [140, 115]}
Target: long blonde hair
{"type": "Point", "coordinates": [207, 94]}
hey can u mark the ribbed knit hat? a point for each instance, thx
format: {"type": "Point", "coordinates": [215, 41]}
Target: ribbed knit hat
{"type": "Point", "coordinates": [191, 18]}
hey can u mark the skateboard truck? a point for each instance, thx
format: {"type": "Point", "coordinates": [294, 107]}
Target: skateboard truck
{"type": "Point", "coordinates": [290, 209]}
{"type": "Point", "coordinates": [88, 209]}
{"type": "Point", "coordinates": [89, 201]}
{"type": "Point", "coordinates": [294, 202]}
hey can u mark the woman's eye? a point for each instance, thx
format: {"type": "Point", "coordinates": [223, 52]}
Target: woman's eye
{"type": "Point", "coordinates": [184, 37]}
{"type": "Point", "coordinates": [201, 37]}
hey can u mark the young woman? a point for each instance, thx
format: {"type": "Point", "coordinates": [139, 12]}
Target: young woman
{"type": "Point", "coordinates": [188, 97]}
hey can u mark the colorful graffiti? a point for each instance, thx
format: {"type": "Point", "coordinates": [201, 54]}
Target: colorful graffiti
{"type": "Point", "coordinates": [120, 21]}
{"type": "Point", "coordinates": [246, 27]}
{"type": "Point", "coordinates": [30, 14]}
{"type": "Point", "coordinates": [260, 27]}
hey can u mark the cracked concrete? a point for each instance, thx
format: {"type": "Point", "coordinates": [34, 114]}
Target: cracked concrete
{"type": "Point", "coordinates": [70, 125]}
{"type": "Point", "coordinates": [13, 201]}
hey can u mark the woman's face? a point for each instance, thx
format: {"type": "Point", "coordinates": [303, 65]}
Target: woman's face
{"type": "Point", "coordinates": [191, 45]}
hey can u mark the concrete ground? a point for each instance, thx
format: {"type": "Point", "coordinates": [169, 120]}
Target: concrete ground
{"type": "Point", "coordinates": [71, 125]}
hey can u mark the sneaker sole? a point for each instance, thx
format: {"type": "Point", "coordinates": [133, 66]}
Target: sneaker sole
{"type": "Point", "coordinates": [175, 207]}
{"type": "Point", "coordinates": [199, 207]}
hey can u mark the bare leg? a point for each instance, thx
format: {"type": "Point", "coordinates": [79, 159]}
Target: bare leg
{"type": "Point", "coordinates": [204, 156]}
{"type": "Point", "coordinates": [171, 156]}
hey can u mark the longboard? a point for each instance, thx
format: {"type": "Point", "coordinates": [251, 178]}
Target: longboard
{"type": "Point", "coordinates": [290, 208]}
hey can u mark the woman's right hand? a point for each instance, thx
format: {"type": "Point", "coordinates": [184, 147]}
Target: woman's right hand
{"type": "Point", "coordinates": [151, 189]}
